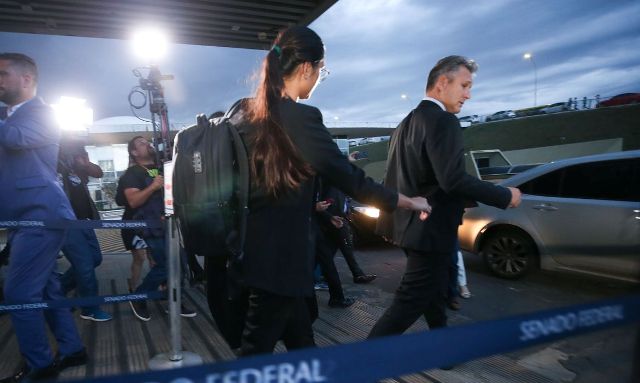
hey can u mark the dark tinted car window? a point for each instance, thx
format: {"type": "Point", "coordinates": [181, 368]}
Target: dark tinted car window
{"type": "Point", "coordinates": [605, 180]}
{"type": "Point", "coordinates": [545, 185]}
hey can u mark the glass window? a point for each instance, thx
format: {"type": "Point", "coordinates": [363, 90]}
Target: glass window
{"type": "Point", "coordinates": [544, 185]}
{"type": "Point", "coordinates": [106, 165]}
{"type": "Point", "coordinates": [604, 180]}
{"type": "Point", "coordinates": [109, 176]}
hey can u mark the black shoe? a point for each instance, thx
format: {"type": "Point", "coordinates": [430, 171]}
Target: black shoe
{"type": "Point", "coordinates": [78, 358]}
{"type": "Point", "coordinates": [365, 278]}
{"type": "Point", "coordinates": [453, 304]}
{"type": "Point", "coordinates": [184, 312]}
{"type": "Point", "coordinates": [140, 310]}
{"type": "Point", "coordinates": [27, 375]}
{"type": "Point", "coordinates": [345, 302]}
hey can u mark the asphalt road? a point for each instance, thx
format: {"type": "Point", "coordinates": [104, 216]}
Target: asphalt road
{"type": "Point", "coordinates": [605, 356]}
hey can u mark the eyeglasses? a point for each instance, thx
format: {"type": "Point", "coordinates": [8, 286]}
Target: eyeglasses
{"type": "Point", "coordinates": [324, 73]}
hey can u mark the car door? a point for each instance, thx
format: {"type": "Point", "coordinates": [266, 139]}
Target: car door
{"type": "Point", "coordinates": [591, 222]}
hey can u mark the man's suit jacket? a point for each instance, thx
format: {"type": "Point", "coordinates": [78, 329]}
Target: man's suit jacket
{"type": "Point", "coordinates": [337, 207]}
{"type": "Point", "coordinates": [426, 158]}
{"type": "Point", "coordinates": [29, 187]}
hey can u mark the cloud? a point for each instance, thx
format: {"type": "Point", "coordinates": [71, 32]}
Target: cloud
{"type": "Point", "coordinates": [376, 51]}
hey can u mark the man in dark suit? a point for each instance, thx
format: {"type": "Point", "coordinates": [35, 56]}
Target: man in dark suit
{"type": "Point", "coordinates": [30, 190]}
{"type": "Point", "coordinates": [426, 158]}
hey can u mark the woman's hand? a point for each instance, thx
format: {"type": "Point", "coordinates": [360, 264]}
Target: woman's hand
{"type": "Point", "coordinates": [337, 222]}
{"type": "Point", "coordinates": [322, 205]}
{"type": "Point", "coordinates": [415, 203]}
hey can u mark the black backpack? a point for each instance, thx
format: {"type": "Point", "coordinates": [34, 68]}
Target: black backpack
{"type": "Point", "coordinates": [211, 186]}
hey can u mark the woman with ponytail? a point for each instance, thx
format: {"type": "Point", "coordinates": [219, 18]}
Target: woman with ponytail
{"type": "Point", "coordinates": [288, 145]}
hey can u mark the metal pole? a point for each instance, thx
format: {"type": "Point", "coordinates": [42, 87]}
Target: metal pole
{"type": "Point", "coordinates": [174, 292]}
{"type": "Point", "coordinates": [175, 357]}
{"type": "Point", "coordinates": [535, 82]}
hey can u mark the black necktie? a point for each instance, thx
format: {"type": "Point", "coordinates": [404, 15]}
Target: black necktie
{"type": "Point", "coordinates": [3, 112]}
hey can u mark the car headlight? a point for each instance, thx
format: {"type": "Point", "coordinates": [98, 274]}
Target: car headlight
{"type": "Point", "coordinates": [368, 211]}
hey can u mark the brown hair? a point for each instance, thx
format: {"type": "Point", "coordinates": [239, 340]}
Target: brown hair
{"type": "Point", "coordinates": [276, 164]}
{"type": "Point", "coordinates": [24, 62]}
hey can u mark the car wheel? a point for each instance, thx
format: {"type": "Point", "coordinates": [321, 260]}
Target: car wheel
{"type": "Point", "coordinates": [509, 254]}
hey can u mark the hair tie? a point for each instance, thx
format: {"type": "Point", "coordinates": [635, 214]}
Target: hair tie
{"type": "Point", "coordinates": [276, 49]}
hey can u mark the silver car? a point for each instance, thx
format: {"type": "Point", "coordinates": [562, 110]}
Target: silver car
{"type": "Point", "coordinates": [580, 214]}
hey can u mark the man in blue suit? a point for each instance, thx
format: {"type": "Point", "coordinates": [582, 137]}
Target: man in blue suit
{"type": "Point", "coordinates": [30, 190]}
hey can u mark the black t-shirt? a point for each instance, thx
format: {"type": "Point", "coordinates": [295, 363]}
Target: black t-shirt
{"type": "Point", "coordinates": [139, 177]}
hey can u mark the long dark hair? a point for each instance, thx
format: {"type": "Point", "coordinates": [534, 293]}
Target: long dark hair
{"type": "Point", "coordinates": [276, 165]}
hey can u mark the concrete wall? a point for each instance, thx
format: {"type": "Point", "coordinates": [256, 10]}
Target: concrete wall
{"type": "Point", "coordinates": [558, 129]}
{"type": "Point", "coordinates": [558, 152]}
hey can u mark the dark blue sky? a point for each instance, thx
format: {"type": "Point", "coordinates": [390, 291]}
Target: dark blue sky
{"type": "Point", "coordinates": [376, 51]}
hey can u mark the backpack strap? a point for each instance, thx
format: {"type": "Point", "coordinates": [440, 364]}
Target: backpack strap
{"type": "Point", "coordinates": [234, 108]}
{"type": "Point", "coordinates": [243, 187]}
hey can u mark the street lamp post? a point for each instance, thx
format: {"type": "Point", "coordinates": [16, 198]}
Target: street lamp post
{"type": "Point", "coordinates": [529, 56]}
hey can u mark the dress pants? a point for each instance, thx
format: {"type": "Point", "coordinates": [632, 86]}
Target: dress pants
{"type": "Point", "coordinates": [229, 314]}
{"type": "Point", "coordinates": [83, 252]}
{"type": "Point", "coordinates": [325, 251]}
{"type": "Point", "coordinates": [273, 317]}
{"type": "Point", "coordinates": [422, 291]}
{"type": "Point", "coordinates": [30, 277]}
{"type": "Point", "coordinates": [344, 239]}
{"type": "Point", "coordinates": [452, 286]}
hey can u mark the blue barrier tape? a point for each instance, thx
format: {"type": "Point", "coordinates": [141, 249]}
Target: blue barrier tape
{"type": "Point", "coordinates": [81, 302]}
{"type": "Point", "coordinates": [399, 355]}
{"type": "Point", "coordinates": [80, 224]}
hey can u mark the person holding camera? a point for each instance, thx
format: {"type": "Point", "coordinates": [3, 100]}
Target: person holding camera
{"type": "Point", "coordinates": [81, 248]}
{"type": "Point", "coordinates": [143, 186]}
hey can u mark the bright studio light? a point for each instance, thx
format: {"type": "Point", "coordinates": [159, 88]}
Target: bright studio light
{"type": "Point", "coordinates": [72, 114]}
{"type": "Point", "coordinates": [526, 56]}
{"type": "Point", "coordinates": [150, 44]}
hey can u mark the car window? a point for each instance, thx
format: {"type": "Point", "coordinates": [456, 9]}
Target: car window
{"type": "Point", "coordinates": [544, 185]}
{"type": "Point", "coordinates": [605, 180]}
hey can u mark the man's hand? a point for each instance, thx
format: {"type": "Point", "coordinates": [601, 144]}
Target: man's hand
{"type": "Point", "coordinates": [158, 182]}
{"type": "Point", "coordinates": [337, 222]}
{"type": "Point", "coordinates": [516, 197]}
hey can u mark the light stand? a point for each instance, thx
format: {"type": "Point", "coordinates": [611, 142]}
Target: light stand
{"type": "Point", "coordinates": [176, 357]}
{"type": "Point", "coordinates": [157, 107]}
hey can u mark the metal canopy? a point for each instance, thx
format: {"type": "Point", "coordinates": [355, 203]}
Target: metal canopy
{"type": "Point", "coordinates": [230, 23]}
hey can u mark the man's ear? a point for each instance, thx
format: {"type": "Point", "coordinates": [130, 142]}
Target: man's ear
{"type": "Point", "coordinates": [441, 83]}
{"type": "Point", "coordinates": [28, 80]}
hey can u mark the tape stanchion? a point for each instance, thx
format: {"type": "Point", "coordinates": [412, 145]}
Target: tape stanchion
{"type": "Point", "coordinates": [399, 355]}
{"type": "Point", "coordinates": [81, 302]}
{"type": "Point", "coordinates": [79, 224]}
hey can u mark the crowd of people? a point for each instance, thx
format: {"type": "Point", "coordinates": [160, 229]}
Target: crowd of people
{"type": "Point", "coordinates": [299, 183]}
